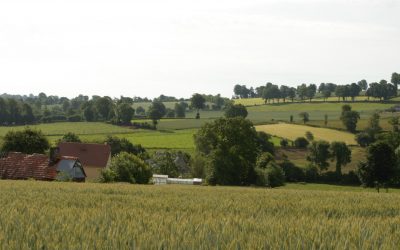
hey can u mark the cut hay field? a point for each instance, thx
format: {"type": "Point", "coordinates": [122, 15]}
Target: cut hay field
{"type": "Point", "coordinates": [42, 215]}
{"type": "Point", "coordinates": [292, 131]}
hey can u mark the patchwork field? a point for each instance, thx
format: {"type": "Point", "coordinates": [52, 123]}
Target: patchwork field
{"type": "Point", "coordinates": [39, 215]}
{"type": "Point", "coordinates": [292, 131]}
{"type": "Point", "coordinates": [81, 128]}
{"type": "Point", "coordinates": [260, 101]}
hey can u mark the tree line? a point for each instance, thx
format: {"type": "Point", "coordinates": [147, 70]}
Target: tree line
{"type": "Point", "coordinates": [17, 110]}
{"type": "Point", "coordinates": [382, 90]}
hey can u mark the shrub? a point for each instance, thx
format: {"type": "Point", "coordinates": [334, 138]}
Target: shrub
{"type": "Point", "coordinates": [364, 139]}
{"type": "Point", "coordinates": [301, 142]}
{"type": "Point", "coordinates": [75, 118]}
{"type": "Point", "coordinates": [271, 176]}
{"type": "Point", "coordinates": [311, 173]}
{"type": "Point", "coordinates": [27, 141]}
{"type": "Point", "coordinates": [264, 159]}
{"type": "Point", "coordinates": [198, 166]}
{"type": "Point", "coordinates": [171, 163]}
{"type": "Point", "coordinates": [284, 143]}
{"type": "Point", "coordinates": [292, 172]}
{"type": "Point", "coordinates": [127, 167]}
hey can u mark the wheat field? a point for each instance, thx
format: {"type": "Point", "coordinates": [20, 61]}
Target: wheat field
{"type": "Point", "coordinates": [42, 215]}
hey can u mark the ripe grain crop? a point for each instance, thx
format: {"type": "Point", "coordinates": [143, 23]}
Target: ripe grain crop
{"type": "Point", "coordinates": [42, 215]}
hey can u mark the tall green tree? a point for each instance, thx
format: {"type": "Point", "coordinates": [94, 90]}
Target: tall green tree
{"type": "Point", "coordinates": [156, 111]}
{"type": "Point", "coordinates": [231, 148]}
{"type": "Point", "coordinates": [125, 113]}
{"type": "Point", "coordinates": [396, 80]}
{"type": "Point", "coordinates": [304, 116]}
{"type": "Point", "coordinates": [341, 153]}
{"type": "Point", "coordinates": [198, 102]}
{"type": "Point", "coordinates": [318, 154]}
{"type": "Point", "coordinates": [380, 168]}
{"type": "Point", "coordinates": [236, 110]}
{"type": "Point", "coordinates": [349, 118]}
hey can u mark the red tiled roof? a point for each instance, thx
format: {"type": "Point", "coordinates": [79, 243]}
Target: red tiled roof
{"type": "Point", "coordinates": [21, 166]}
{"type": "Point", "coordinates": [92, 155]}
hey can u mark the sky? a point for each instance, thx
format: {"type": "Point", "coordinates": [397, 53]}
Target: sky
{"type": "Point", "coordinates": [179, 47]}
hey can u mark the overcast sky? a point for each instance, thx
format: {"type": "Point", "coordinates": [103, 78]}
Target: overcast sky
{"type": "Point", "coordinates": [178, 47]}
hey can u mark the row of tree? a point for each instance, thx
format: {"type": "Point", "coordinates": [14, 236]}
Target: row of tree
{"type": "Point", "coordinates": [16, 110]}
{"type": "Point", "coordinates": [382, 90]}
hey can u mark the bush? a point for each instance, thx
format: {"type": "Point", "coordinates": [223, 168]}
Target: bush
{"type": "Point", "coordinates": [198, 166]}
{"type": "Point", "coordinates": [292, 172]}
{"type": "Point", "coordinates": [351, 178]}
{"type": "Point", "coordinates": [119, 145]}
{"type": "Point", "coordinates": [364, 139]}
{"type": "Point", "coordinates": [27, 141]}
{"type": "Point", "coordinates": [127, 167]}
{"type": "Point", "coordinates": [271, 176]}
{"type": "Point", "coordinates": [311, 173]}
{"type": "Point", "coordinates": [171, 163]}
{"type": "Point", "coordinates": [301, 142]}
{"type": "Point", "coordinates": [75, 118]}
{"type": "Point", "coordinates": [284, 143]}
{"type": "Point", "coordinates": [264, 159]}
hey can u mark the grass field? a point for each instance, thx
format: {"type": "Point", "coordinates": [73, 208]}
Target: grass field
{"type": "Point", "coordinates": [81, 128]}
{"type": "Point", "coordinates": [292, 131]}
{"type": "Point", "coordinates": [41, 215]}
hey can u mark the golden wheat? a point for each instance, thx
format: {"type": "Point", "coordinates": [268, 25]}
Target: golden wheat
{"type": "Point", "coordinates": [41, 215]}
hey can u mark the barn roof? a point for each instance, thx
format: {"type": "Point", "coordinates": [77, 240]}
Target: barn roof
{"type": "Point", "coordinates": [16, 165]}
{"type": "Point", "coordinates": [90, 154]}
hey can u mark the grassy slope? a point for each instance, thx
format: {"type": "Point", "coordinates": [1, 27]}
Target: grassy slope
{"type": "Point", "coordinates": [40, 215]}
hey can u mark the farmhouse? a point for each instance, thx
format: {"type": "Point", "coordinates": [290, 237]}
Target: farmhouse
{"type": "Point", "coordinates": [19, 166]}
{"type": "Point", "coordinates": [94, 157]}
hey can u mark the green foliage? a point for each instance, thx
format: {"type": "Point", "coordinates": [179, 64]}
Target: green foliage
{"type": "Point", "coordinates": [127, 167]}
{"type": "Point", "coordinates": [156, 111]}
{"type": "Point", "coordinates": [304, 116]}
{"type": "Point", "coordinates": [373, 125]}
{"type": "Point", "coordinates": [380, 167]}
{"type": "Point", "coordinates": [27, 141]}
{"type": "Point", "coordinates": [309, 136]}
{"type": "Point", "coordinates": [341, 153]}
{"type": "Point", "coordinates": [292, 172]}
{"type": "Point", "coordinates": [265, 143]}
{"type": "Point", "coordinates": [364, 139]}
{"type": "Point", "coordinates": [270, 176]}
{"type": "Point", "coordinates": [284, 143]}
{"type": "Point", "coordinates": [198, 102]}
{"type": "Point", "coordinates": [70, 137]}
{"type": "Point", "coordinates": [119, 145]}
{"type": "Point", "coordinates": [236, 110]}
{"type": "Point", "coordinates": [180, 109]}
{"type": "Point", "coordinates": [301, 142]}
{"type": "Point", "coordinates": [125, 113]}
{"type": "Point", "coordinates": [171, 163]}
{"type": "Point", "coordinates": [198, 166]}
{"type": "Point", "coordinates": [318, 154]}
{"type": "Point", "coordinates": [231, 147]}
{"type": "Point", "coordinates": [349, 118]}
{"type": "Point", "coordinates": [394, 121]}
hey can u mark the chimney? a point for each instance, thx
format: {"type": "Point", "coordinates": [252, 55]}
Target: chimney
{"type": "Point", "coordinates": [54, 155]}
